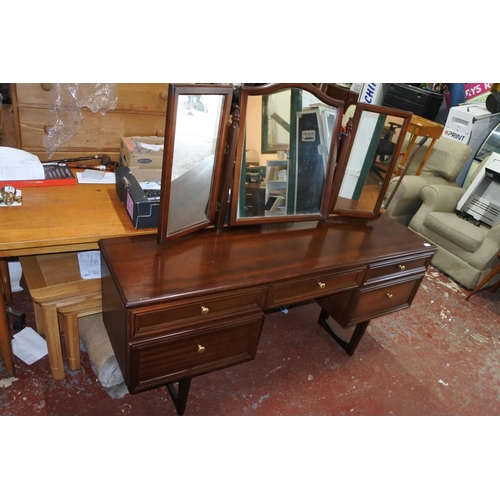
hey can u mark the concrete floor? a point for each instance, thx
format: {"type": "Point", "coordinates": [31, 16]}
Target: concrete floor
{"type": "Point", "coordinates": [440, 357]}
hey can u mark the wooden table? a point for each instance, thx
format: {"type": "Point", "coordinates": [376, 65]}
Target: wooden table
{"type": "Point", "coordinates": [420, 127]}
{"type": "Point", "coordinates": [55, 219]}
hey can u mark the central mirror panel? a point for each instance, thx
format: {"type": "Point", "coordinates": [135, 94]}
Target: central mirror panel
{"type": "Point", "coordinates": [195, 141]}
{"type": "Point", "coordinates": [291, 180]}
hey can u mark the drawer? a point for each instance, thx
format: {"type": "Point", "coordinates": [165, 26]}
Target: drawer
{"type": "Point", "coordinates": [292, 292]}
{"type": "Point", "coordinates": [96, 132]}
{"type": "Point", "coordinates": [193, 351]}
{"type": "Point", "coordinates": [379, 300]}
{"type": "Point", "coordinates": [152, 321]}
{"type": "Point", "coordinates": [149, 97]}
{"type": "Point", "coordinates": [393, 268]}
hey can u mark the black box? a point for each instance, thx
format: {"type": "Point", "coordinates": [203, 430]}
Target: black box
{"type": "Point", "coordinates": [419, 101]}
{"type": "Point", "coordinates": [142, 211]}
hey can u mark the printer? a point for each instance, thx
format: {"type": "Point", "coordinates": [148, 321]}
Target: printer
{"type": "Point", "coordinates": [470, 124]}
{"type": "Point", "coordinates": [482, 199]}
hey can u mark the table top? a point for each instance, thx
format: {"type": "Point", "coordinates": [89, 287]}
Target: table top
{"type": "Point", "coordinates": [245, 256]}
{"type": "Point", "coordinates": [55, 219]}
{"type": "Point", "coordinates": [422, 126]}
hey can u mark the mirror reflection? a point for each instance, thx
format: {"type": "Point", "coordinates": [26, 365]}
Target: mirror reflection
{"type": "Point", "coordinates": [288, 179]}
{"type": "Point", "coordinates": [197, 125]}
{"type": "Point", "coordinates": [372, 155]}
{"type": "Point", "coordinates": [195, 137]}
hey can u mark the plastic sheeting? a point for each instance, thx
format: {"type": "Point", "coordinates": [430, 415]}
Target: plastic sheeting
{"type": "Point", "coordinates": [65, 117]}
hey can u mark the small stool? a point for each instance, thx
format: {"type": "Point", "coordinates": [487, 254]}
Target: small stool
{"type": "Point", "coordinates": [490, 275]}
{"type": "Point", "coordinates": [57, 289]}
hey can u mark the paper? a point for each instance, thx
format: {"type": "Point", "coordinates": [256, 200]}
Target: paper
{"type": "Point", "coordinates": [109, 178]}
{"type": "Point", "coordinates": [151, 147]}
{"type": "Point", "coordinates": [90, 264]}
{"type": "Point", "coordinates": [150, 184]}
{"type": "Point", "coordinates": [29, 346]}
{"type": "Point", "coordinates": [19, 165]}
{"type": "Point", "coordinates": [15, 273]}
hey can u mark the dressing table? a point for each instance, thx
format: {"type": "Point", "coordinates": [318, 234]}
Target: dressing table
{"type": "Point", "coordinates": [193, 298]}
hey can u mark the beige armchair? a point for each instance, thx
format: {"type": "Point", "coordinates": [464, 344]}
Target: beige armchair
{"type": "Point", "coordinates": [442, 168]}
{"type": "Point", "coordinates": [466, 252]}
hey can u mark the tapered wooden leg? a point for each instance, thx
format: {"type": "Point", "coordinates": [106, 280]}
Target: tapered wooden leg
{"type": "Point", "coordinates": [348, 346]}
{"type": "Point", "coordinates": [179, 396]}
{"type": "Point", "coordinates": [72, 337]}
{"type": "Point", "coordinates": [5, 340]}
{"type": "Point", "coordinates": [5, 276]}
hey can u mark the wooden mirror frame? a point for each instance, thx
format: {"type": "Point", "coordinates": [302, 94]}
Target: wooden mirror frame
{"type": "Point", "coordinates": [344, 206]}
{"type": "Point", "coordinates": [175, 92]}
{"type": "Point", "coordinates": [326, 202]}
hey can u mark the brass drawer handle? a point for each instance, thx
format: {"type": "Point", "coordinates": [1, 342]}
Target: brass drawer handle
{"type": "Point", "coordinates": [204, 310]}
{"type": "Point", "coordinates": [402, 267]}
{"type": "Point", "coordinates": [201, 348]}
{"type": "Point", "coordinates": [321, 285]}
{"type": "Point", "coordinates": [389, 295]}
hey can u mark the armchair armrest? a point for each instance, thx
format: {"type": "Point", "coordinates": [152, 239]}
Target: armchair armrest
{"type": "Point", "coordinates": [409, 188]}
{"type": "Point", "coordinates": [436, 198]}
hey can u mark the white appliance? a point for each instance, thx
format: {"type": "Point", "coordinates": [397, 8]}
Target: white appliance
{"type": "Point", "coordinates": [469, 124]}
{"type": "Point", "coordinates": [482, 198]}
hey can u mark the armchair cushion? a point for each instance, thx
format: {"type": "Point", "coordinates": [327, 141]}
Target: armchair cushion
{"type": "Point", "coordinates": [451, 228]}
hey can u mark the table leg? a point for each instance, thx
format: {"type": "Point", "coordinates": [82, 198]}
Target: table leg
{"type": "Point", "coordinates": [348, 346]}
{"type": "Point", "coordinates": [179, 396]}
{"type": "Point", "coordinates": [424, 159]}
{"type": "Point", "coordinates": [5, 340]}
{"type": "Point", "coordinates": [53, 339]}
{"type": "Point", "coordinates": [490, 275]}
{"type": "Point", "coordinates": [5, 276]}
{"type": "Point", "coordinates": [72, 341]}
{"type": "Point", "coordinates": [408, 149]}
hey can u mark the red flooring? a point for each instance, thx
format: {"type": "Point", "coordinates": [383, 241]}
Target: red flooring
{"type": "Point", "coordinates": [440, 357]}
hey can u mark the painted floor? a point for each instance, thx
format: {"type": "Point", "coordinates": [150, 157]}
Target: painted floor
{"type": "Point", "coordinates": [440, 357]}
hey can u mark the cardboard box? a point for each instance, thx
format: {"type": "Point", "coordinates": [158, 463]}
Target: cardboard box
{"type": "Point", "coordinates": [143, 155]}
{"type": "Point", "coordinates": [142, 211]}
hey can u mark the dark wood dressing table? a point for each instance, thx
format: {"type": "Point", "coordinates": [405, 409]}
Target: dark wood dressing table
{"type": "Point", "coordinates": [197, 303]}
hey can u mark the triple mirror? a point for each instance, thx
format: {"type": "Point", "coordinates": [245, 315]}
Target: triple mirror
{"type": "Point", "coordinates": [270, 153]}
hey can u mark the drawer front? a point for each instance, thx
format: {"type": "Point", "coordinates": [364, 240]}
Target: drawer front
{"type": "Point", "coordinates": [391, 269]}
{"type": "Point", "coordinates": [293, 292]}
{"type": "Point", "coordinates": [150, 322]}
{"type": "Point", "coordinates": [193, 351]}
{"type": "Point", "coordinates": [380, 300]}
{"type": "Point", "coordinates": [96, 132]}
{"type": "Point", "coordinates": [149, 97]}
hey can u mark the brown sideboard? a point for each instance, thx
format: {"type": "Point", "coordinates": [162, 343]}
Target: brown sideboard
{"type": "Point", "coordinates": [140, 111]}
{"type": "Point", "coordinates": [197, 304]}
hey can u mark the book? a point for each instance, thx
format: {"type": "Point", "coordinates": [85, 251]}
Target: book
{"type": "Point", "coordinates": [21, 169]}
